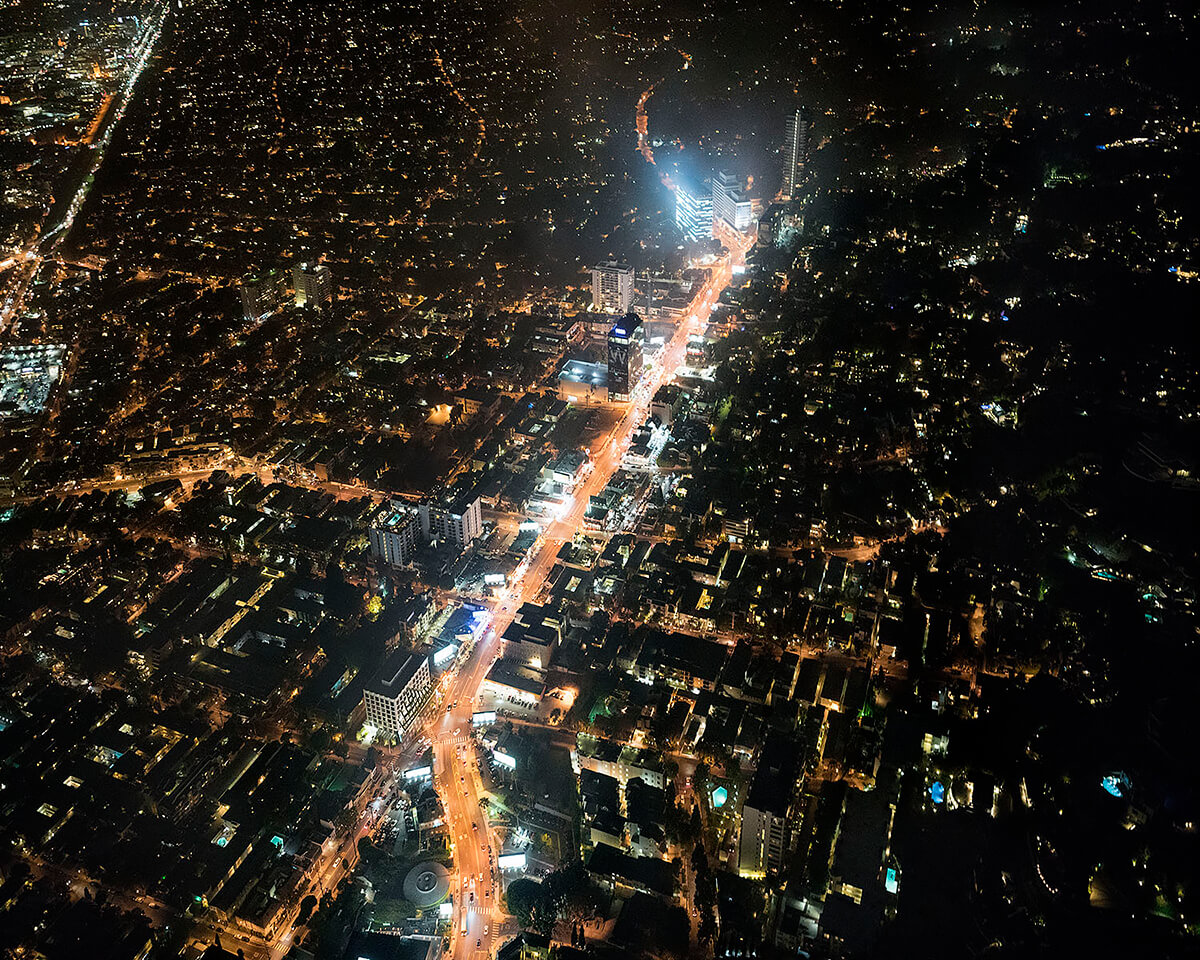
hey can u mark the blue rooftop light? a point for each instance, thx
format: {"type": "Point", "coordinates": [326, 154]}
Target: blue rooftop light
{"type": "Point", "coordinates": [1116, 784]}
{"type": "Point", "coordinates": [937, 792]}
{"type": "Point", "coordinates": [891, 882]}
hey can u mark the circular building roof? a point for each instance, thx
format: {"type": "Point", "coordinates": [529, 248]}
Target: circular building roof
{"type": "Point", "coordinates": [427, 884]}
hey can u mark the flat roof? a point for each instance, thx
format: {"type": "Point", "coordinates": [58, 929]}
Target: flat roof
{"type": "Point", "coordinates": [395, 517]}
{"type": "Point", "coordinates": [626, 326]}
{"type": "Point", "coordinates": [580, 371]}
{"type": "Point", "coordinates": [396, 671]}
{"type": "Point", "coordinates": [512, 675]}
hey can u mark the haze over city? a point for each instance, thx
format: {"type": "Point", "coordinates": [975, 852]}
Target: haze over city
{"type": "Point", "coordinates": [657, 479]}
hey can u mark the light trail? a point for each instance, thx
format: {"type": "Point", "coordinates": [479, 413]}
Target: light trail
{"type": "Point", "coordinates": [453, 772]}
{"type": "Point", "coordinates": [481, 127]}
{"type": "Point", "coordinates": [44, 246]}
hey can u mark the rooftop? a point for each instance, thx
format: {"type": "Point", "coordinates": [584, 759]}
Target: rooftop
{"type": "Point", "coordinates": [399, 668]}
{"type": "Point", "coordinates": [581, 371]}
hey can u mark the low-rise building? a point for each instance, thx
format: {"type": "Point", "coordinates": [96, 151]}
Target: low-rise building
{"type": "Point", "coordinates": [533, 636]}
{"type": "Point", "coordinates": [583, 382]}
{"type": "Point", "coordinates": [616, 760]}
{"type": "Point", "coordinates": [509, 681]}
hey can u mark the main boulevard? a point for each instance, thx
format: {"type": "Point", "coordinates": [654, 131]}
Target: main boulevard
{"type": "Point", "coordinates": [475, 888]}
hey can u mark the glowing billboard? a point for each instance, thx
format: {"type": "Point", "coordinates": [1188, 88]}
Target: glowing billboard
{"type": "Point", "coordinates": [511, 861]}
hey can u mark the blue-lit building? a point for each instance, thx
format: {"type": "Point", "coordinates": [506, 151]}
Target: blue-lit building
{"type": "Point", "coordinates": [693, 212]}
{"type": "Point", "coordinates": [625, 356]}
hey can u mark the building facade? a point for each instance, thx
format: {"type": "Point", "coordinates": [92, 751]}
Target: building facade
{"type": "Point", "coordinates": [458, 521]}
{"type": "Point", "coordinates": [396, 535]}
{"type": "Point", "coordinates": [313, 285]}
{"type": "Point", "coordinates": [794, 155]}
{"type": "Point", "coordinates": [612, 287]}
{"type": "Point", "coordinates": [762, 842]}
{"type": "Point", "coordinates": [391, 701]}
{"type": "Point", "coordinates": [263, 295]}
{"type": "Point", "coordinates": [625, 356]}
{"type": "Point", "coordinates": [729, 203]}
{"type": "Point", "coordinates": [693, 213]}
{"type": "Point", "coordinates": [764, 828]}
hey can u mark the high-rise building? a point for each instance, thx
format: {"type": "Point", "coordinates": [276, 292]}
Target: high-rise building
{"type": "Point", "coordinates": [625, 356]}
{"type": "Point", "coordinates": [765, 814]}
{"type": "Point", "coordinates": [396, 535]}
{"type": "Point", "coordinates": [729, 202]}
{"type": "Point", "coordinates": [399, 530]}
{"type": "Point", "coordinates": [263, 295]}
{"type": "Point", "coordinates": [457, 520]}
{"type": "Point", "coordinates": [693, 213]}
{"type": "Point", "coordinates": [612, 287]}
{"type": "Point", "coordinates": [391, 700]}
{"type": "Point", "coordinates": [795, 149]}
{"type": "Point", "coordinates": [313, 285]}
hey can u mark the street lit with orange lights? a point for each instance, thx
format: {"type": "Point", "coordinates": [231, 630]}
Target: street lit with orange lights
{"type": "Point", "coordinates": [477, 889]}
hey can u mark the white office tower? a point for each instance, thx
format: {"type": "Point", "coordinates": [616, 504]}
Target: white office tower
{"type": "Point", "coordinates": [393, 698]}
{"type": "Point", "coordinates": [730, 204]}
{"type": "Point", "coordinates": [795, 149]}
{"type": "Point", "coordinates": [612, 287]}
{"type": "Point", "coordinates": [313, 284]}
{"type": "Point", "coordinates": [457, 520]}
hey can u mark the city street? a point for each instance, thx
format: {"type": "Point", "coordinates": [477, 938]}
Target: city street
{"type": "Point", "coordinates": [14, 290]}
{"type": "Point", "coordinates": [476, 904]}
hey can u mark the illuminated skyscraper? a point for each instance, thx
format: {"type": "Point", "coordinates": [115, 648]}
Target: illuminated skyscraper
{"type": "Point", "coordinates": [625, 356]}
{"type": "Point", "coordinates": [693, 213]}
{"type": "Point", "coordinates": [795, 149]}
{"type": "Point", "coordinates": [729, 203]}
{"type": "Point", "coordinates": [612, 287]}
{"type": "Point", "coordinates": [262, 296]}
{"type": "Point", "coordinates": [313, 285]}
